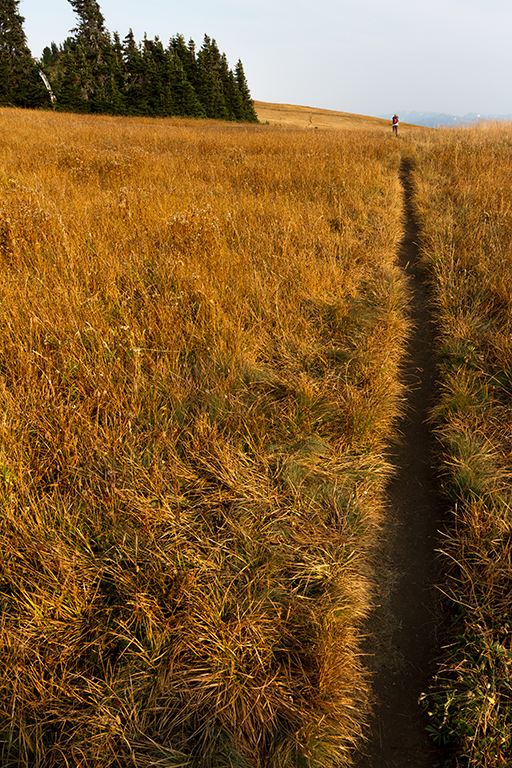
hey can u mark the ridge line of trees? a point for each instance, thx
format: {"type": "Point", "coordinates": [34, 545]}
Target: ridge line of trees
{"type": "Point", "coordinates": [95, 71]}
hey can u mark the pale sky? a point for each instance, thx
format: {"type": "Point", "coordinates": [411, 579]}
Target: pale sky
{"type": "Point", "coordinates": [370, 57]}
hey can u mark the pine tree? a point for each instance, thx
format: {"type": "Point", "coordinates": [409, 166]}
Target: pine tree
{"type": "Point", "coordinates": [157, 78]}
{"type": "Point", "coordinates": [248, 111]}
{"type": "Point", "coordinates": [223, 77]}
{"type": "Point", "coordinates": [134, 91]}
{"type": "Point", "coordinates": [69, 85]}
{"type": "Point", "coordinates": [209, 89]}
{"type": "Point", "coordinates": [185, 102]}
{"type": "Point", "coordinates": [129, 45]}
{"type": "Point", "coordinates": [51, 56]}
{"type": "Point", "coordinates": [187, 56]}
{"type": "Point", "coordinates": [117, 76]}
{"type": "Point", "coordinates": [92, 54]}
{"type": "Point", "coordinates": [91, 27]}
{"type": "Point", "coordinates": [135, 74]}
{"type": "Point", "coordinates": [234, 99]}
{"type": "Point", "coordinates": [94, 72]}
{"type": "Point", "coordinates": [20, 84]}
{"type": "Point", "coordinates": [141, 100]}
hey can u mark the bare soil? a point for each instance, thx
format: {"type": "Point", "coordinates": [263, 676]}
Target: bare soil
{"type": "Point", "coordinates": [403, 632]}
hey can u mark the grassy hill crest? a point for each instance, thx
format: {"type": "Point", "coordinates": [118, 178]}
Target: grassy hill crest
{"type": "Point", "coordinates": [313, 117]}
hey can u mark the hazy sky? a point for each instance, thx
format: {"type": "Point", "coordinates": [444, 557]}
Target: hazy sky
{"type": "Point", "coordinates": [365, 56]}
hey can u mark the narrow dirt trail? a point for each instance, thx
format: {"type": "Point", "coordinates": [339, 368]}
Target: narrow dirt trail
{"type": "Point", "coordinates": [402, 632]}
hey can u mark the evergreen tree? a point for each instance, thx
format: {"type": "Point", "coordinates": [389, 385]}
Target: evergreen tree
{"type": "Point", "coordinates": [91, 27]}
{"type": "Point", "coordinates": [210, 90]}
{"type": "Point", "coordinates": [129, 45]}
{"type": "Point", "coordinates": [224, 80]}
{"type": "Point", "coordinates": [234, 101]}
{"type": "Point", "coordinates": [134, 91]}
{"type": "Point", "coordinates": [86, 67]}
{"type": "Point", "coordinates": [157, 67]}
{"type": "Point", "coordinates": [107, 94]}
{"type": "Point", "coordinates": [187, 56]}
{"type": "Point", "coordinates": [93, 71]}
{"type": "Point", "coordinates": [50, 56]}
{"type": "Point", "coordinates": [117, 76]}
{"type": "Point", "coordinates": [185, 102]}
{"type": "Point", "coordinates": [69, 86]}
{"type": "Point", "coordinates": [20, 84]}
{"type": "Point", "coordinates": [248, 111]}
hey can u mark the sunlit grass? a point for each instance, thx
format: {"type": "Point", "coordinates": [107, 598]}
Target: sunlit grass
{"type": "Point", "coordinates": [200, 331]}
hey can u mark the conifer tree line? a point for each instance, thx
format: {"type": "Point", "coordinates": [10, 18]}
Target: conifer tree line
{"type": "Point", "coordinates": [95, 71]}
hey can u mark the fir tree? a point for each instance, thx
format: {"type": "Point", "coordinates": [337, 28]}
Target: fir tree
{"type": "Point", "coordinates": [248, 110]}
{"type": "Point", "coordinates": [234, 101]}
{"type": "Point", "coordinates": [133, 76]}
{"type": "Point", "coordinates": [91, 27]}
{"type": "Point", "coordinates": [210, 90]}
{"type": "Point", "coordinates": [70, 84]}
{"type": "Point", "coordinates": [51, 56]}
{"type": "Point", "coordinates": [20, 84]}
{"type": "Point", "coordinates": [117, 76]}
{"type": "Point", "coordinates": [94, 72]}
{"type": "Point", "coordinates": [157, 68]}
{"type": "Point", "coordinates": [187, 56]}
{"type": "Point", "coordinates": [86, 65]}
{"type": "Point", "coordinates": [185, 102]}
{"type": "Point", "coordinates": [224, 80]}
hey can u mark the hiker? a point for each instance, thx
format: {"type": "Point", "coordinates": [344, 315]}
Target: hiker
{"type": "Point", "coordinates": [395, 124]}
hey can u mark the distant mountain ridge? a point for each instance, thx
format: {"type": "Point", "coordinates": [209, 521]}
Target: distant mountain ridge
{"type": "Point", "coordinates": [438, 119]}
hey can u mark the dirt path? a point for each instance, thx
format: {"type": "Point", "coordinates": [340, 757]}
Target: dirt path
{"type": "Point", "coordinates": [402, 633]}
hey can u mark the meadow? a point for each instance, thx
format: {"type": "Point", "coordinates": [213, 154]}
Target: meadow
{"type": "Point", "coordinates": [201, 333]}
{"type": "Point", "coordinates": [201, 329]}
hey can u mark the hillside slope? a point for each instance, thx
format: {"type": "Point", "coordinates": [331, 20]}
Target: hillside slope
{"type": "Point", "coordinates": [312, 117]}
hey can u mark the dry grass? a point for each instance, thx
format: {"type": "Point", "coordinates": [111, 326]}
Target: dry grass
{"type": "Point", "coordinates": [291, 115]}
{"type": "Point", "coordinates": [464, 193]}
{"type": "Point", "coordinates": [200, 332]}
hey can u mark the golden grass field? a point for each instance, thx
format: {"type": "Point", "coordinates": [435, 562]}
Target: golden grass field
{"type": "Point", "coordinates": [291, 115]}
{"type": "Point", "coordinates": [201, 332]}
{"type": "Point", "coordinates": [288, 115]}
{"type": "Point", "coordinates": [201, 327]}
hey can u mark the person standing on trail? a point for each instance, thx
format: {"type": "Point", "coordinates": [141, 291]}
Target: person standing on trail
{"type": "Point", "coordinates": [395, 124]}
